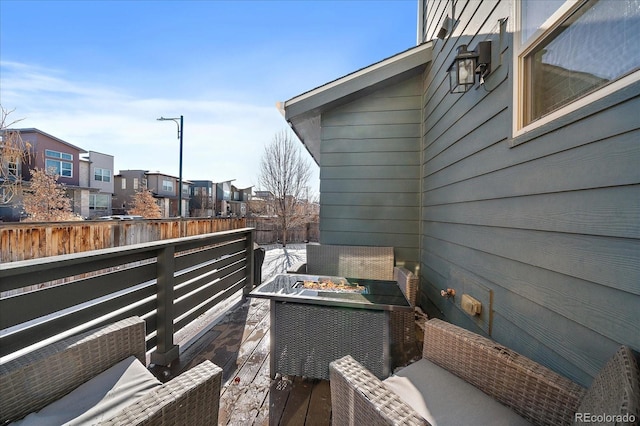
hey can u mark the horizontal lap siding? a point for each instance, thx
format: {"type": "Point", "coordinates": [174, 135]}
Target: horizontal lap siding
{"type": "Point", "coordinates": [370, 171]}
{"type": "Point", "coordinates": [550, 227]}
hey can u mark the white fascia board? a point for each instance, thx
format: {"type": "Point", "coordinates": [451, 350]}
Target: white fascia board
{"type": "Point", "coordinates": [303, 111]}
{"type": "Point", "coordinates": [359, 80]}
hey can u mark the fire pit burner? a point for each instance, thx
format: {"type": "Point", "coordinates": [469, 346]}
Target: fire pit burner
{"type": "Point", "coordinates": [329, 285]}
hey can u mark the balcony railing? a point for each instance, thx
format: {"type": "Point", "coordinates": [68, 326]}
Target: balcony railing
{"type": "Point", "coordinates": [168, 283]}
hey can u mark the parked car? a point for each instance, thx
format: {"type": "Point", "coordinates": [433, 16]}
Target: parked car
{"type": "Point", "coordinates": [121, 217]}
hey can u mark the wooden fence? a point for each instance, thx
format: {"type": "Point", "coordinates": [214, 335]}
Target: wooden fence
{"type": "Point", "coordinates": [267, 231]}
{"type": "Point", "coordinates": [24, 241]}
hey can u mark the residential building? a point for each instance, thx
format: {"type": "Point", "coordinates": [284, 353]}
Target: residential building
{"type": "Point", "coordinates": [164, 188]}
{"type": "Point", "coordinates": [125, 185]}
{"type": "Point", "coordinates": [240, 198]}
{"type": "Point", "coordinates": [522, 191]}
{"type": "Point", "coordinates": [202, 200]}
{"type": "Point", "coordinates": [99, 178]}
{"type": "Point", "coordinates": [76, 168]}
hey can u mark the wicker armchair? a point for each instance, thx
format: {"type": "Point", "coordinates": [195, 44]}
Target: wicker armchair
{"type": "Point", "coordinates": [35, 380]}
{"type": "Point", "coordinates": [367, 262]}
{"type": "Point", "coordinates": [535, 393]}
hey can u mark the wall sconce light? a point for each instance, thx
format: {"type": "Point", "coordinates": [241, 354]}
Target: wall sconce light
{"type": "Point", "coordinates": [463, 70]}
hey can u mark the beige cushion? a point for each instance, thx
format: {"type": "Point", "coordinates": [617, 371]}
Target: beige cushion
{"type": "Point", "coordinates": [98, 399]}
{"type": "Point", "coordinates": [445, 399]}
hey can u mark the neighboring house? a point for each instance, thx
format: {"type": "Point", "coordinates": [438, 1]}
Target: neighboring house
{"type": "Point", "coordinates": [523, 192]}
{"type": "Point", "coordinates": [99, 177]}
{"type": "Point", "coordinates": [125, 185]}
{"type": "Point", "coordinates": [76, 173]}
{"type": "Point", "coordinates": [166, 191]}
{"type": "Point", "coordinates": [240, 199]}
{"type": "Point", "coordinates": [164, 188]}
{"type": "Point", "coordinates": [262, 204]}
{"type": "Point", "coordinates": [202, 201]}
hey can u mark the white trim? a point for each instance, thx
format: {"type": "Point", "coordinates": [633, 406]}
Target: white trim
{"type": "Point", "coordinates": [421, 49]}
{"type": "Point", "coordinates": [581, 102]}
{"type": "Point", "coordinates": [522, 50]}
{"type": "Point", "coordinates": [420, 26]}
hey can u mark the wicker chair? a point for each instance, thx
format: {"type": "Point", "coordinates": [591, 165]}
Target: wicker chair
{"type": "Point", "coordinates": [535, 393]}
{"type": "Point", "coordinates": [367, 262]}
{"type": "Point", "coordinates": [37, 379]}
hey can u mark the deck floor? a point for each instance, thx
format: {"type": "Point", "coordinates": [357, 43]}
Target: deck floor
{"type": "Point", "coordinates": [239, 344]}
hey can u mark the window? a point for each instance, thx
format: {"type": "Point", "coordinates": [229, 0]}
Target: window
{"type": "Point", "coordinates": [570, 50]}
{"type": "Point", "coordinates": [167, 185]}
{"type": "Point", "coordinates": [124, 183]}
{"type": "Point", "coordinates": [13, 167]}
{"type": "Point", "coordinates": [62, 168]}
{"type": "Point", "coordinates": [99, 201]}
{"type": "Point", "coordinates": [136, 183]}
{"type": "Point", "coordinates": [185, 189]}
{"type": "Point", "coordinates": [102, 175]}
{"type": "Point", "coordinates": [56, 154]}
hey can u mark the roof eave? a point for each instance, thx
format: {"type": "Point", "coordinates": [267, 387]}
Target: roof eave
{"type": "Point", "coordinates": [303, 111]}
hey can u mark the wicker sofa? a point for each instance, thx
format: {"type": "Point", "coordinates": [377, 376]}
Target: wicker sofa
{"type": "Point", "coordinates": [369, 262]}
{"type": "Point", "coordinates": [465, 378]}
{"type": "Point", "coordinates": [101, 374]}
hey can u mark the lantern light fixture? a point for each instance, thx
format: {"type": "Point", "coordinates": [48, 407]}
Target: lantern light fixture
{"type": "Point", "coordinates": [465, 66]}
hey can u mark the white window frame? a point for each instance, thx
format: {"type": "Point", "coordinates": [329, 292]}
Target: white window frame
{"type": "Point", "coordinates": [13, 167]}
{"type": "Point", "coordinates": [60, 171]}
{"type": "Point", "coordinates": [167, 185]}
{"type": "Point", "coordinates": [93, 198]}
{"type": "Point", "coordinates": [522, 50]}
{"type": "Point", "coordinates": [104, 175]}
{"type": "Point", "coordinates": [60, 158]}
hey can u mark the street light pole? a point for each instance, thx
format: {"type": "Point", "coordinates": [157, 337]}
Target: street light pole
{"type": "Point", "coordinates": [180, 130]}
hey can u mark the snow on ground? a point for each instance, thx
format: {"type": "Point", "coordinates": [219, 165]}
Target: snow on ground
{"type": "Point", "coordinates": [279, 259]}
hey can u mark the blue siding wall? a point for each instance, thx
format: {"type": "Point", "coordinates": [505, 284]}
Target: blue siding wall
{"type": "Point", "coordinates": [370, 171]}
{"type": "Point", "coordinates": [545, 234]}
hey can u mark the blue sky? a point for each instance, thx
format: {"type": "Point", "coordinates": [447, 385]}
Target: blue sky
{"type": "Point", "coordinates": [97, 74]}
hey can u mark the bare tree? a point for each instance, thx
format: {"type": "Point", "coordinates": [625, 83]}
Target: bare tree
{"type": "Point", "coordinates": [14, 152]}
{"type": "Point", "coordinates": [145, 205]}
{"type": "Point", "coordinates": [46, 200]}
{"type": "Point", "coordinates": [285, 173]}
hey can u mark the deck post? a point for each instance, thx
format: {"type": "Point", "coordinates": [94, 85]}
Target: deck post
{"type": "Point", "coordinates": [250, 261]}
{"type": "Point", "coordinates": [166, 350]}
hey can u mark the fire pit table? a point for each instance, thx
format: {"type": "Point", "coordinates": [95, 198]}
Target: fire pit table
{"type": "Point", "coordinates": [318, 319]}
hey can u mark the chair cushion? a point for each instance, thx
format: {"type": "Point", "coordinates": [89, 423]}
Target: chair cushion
{"type": "Point", "coordinates": [98, 399]}
{"type": "Point", "coordinates": [443, 398]}
{"type": "Point", "coordinates": [615, 390]}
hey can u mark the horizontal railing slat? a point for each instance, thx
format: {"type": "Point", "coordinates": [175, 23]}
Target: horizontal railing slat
{"type": "Point", "coordinates": [186, 260]}
{"type": "Point", "coordinates": [208, 291]}
{"type": "Point", "coordinates": [206, 268]}
{"type": "Point", "coordinates": [223, 268]}
{"type": "Point", "coordinates": [183, 322]}
{"type": "Point", "coordinates": [26, 306]}
{"type": "Point", "coordinates": [62, 323]}
{"type": "Point", "coordinates": [26, 273]}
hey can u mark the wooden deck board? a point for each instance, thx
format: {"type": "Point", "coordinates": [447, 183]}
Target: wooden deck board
{"type": "Point", "coordinates": [295, 410]}
{"type": "Point", "coordinates": [240, 345]}
{"type": "Point", "coordinates": [319, 413]}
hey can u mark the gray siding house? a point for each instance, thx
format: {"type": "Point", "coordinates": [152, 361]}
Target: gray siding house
{"type": "Point", "coordinates": [99, 176]}
{"type": "Point", "coordinates": [522, 192]}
